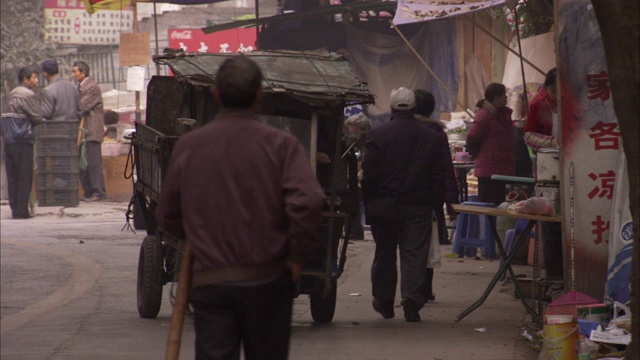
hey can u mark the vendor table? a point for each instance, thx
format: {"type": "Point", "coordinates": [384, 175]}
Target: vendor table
{"type": "Point", "coordinates": [462, 168]}
{"type": "Point", "coordinates": [513, 179]}
{"type": "Point", "coordinates": [506, 265]}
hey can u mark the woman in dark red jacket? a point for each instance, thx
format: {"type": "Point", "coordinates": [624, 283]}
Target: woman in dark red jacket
{"type": "Point", "coordinates": [542, 125]}
{"type": "Point", "coordinates": [490, 141]}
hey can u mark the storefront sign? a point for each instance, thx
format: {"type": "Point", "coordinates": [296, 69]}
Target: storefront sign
{"type": "Point", "coordinates": [591, 142]}
{"type": "Point", "coordinates": [226, 41]}
{"type": "Point", "coordinates": [67, 22]}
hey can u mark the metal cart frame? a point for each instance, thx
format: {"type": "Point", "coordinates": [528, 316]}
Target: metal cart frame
{"type": "Point", "coordinates": [321, 94]}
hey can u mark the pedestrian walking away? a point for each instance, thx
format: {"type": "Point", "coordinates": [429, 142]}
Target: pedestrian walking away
{"type": "Point", "coordinates": [20, 114]}
{"type": "Point", "coordinates": [403, 180]}
{"type": "Point", "coordinates": [425, 105]}
{"type": "Point", "coordinates": [244, 197]}
{"type": "Point", "coordinates": [92, 177]}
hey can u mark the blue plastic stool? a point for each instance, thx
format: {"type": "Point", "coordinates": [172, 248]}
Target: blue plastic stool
{"type": "Point", "coordinates": [475, 231]}
{"type": "Point", "coordinates": [512, 235]}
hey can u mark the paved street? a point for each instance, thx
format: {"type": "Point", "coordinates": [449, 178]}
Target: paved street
{"type": "Point", "coordinates": [68, 292]}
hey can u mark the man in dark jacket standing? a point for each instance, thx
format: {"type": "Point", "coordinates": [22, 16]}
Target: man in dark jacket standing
{"type": "Point", "coordinates": [403, 162]}
{"type": "Point", "coordinates": [60, 99]}
{"type": "Point", "coordinates": [243, 195]}
{"type": "Point", "coordinates": [20, 114]}
{"type": "Point", "coordinates": [92, 178]}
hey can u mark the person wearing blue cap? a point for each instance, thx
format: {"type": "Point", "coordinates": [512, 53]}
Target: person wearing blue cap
{"type": "Point", "coordinates": [20, 113]}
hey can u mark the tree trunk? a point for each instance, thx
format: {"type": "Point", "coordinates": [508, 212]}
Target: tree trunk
{"type": "Point", "coordinates": [619, 25]}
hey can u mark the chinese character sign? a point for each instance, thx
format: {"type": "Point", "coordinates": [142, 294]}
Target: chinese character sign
{"type": "Point", "coordinates": [591, 141]}
{"type": "Point", "coordinates": [67, 22]}
{"type": "Point", "coordinates": [226, 41]}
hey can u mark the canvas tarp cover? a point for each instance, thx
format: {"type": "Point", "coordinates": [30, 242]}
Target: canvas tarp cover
{"type": "Point", "coordinates": [314, 77]}
{"type": "Point", "coordinates": [385, 62]}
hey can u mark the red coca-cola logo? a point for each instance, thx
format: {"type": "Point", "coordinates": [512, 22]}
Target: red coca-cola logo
{"type": "Point", "coordinates": [182, 35]}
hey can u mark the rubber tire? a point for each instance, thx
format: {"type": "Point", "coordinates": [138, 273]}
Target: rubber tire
{"type": "Point", "coordinates": [139, 223]}
{"type": "Point", "coordinates": [323, 308]}
{"type": "Point", "coordinates": [150, 277]}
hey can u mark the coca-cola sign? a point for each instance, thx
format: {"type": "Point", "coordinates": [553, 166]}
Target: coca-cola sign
{"type": "Point", "coordinates": [225, 41]}
{"type": "Point", "coordinates": [181, 34]}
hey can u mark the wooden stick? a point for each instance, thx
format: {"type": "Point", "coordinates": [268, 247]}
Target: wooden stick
{"type": "Point", "coordinates": [180, 305]}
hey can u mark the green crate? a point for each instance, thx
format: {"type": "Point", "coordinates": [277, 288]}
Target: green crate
{"type": "Point", "coordinates": [65, 129]}
{"type": "Point", "coordinates": [57, 147]}
{"type": "Point", "coordinates": [51, 197]}
{"type": "Point", "coordinates": [57, 181]}
{"type": "Point", "coordinates": [64, 164]}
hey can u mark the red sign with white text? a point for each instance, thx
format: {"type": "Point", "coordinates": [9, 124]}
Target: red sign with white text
{"type": "Point", "coordinates": [226, 41]}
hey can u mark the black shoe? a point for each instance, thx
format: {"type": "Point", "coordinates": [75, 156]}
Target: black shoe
{"type": "Point", "coordinates": [411, 313]}
{"type": "Point", "coordinates": [386, 311]}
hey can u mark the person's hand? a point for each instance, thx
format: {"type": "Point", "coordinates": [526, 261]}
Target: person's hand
{"type": "Point", "coordinates": [295, 269]}
{"type": "Point", "coordinates": [323, 158]}
{"type": "Point", "coordinates": [452, 217]}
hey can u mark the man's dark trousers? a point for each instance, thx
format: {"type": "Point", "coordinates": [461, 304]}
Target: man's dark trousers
{"type": "Point", "coordinates": [92, 179]}
{"type": "Point", "coordinates": [19, 165]}
{"type": "Point", "coordinates": [411, 235]}
{"type": "Point", "coordinates": [259, 317]}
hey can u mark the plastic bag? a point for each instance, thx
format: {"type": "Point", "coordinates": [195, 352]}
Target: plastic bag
{"type": "Point", "coordinates": [435, 259]}
{"type": "Point", "coordinates": [535, 205]}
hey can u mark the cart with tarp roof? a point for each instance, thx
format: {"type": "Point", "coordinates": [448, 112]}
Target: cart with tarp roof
{"type": "Point", "coordinates": [305, 94]}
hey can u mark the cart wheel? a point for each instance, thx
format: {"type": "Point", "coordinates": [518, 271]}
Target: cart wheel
{"type": "Point", "coordinates": [150, 276]}
{"type": "Point", "coordinates": [323, 308]}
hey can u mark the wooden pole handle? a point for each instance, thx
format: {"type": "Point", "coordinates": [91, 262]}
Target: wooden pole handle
{"type": "Point", "coordinates": [180, 305]}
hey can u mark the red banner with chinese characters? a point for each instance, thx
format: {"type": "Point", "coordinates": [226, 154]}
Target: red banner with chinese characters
{"type": "Point", "coordinates": [590, 145]}
{"type": "Point", "coordinates": [226, 41]}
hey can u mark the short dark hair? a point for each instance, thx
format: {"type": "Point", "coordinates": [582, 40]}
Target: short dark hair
{"type": "Point", "coordinates": [26, 73]}
{"type": "Point", "coordinates": [82, 67]}
{"type": "Point", "coordinates": [425, 102]}
{"type": "Point", "coordinates": [238, 80]}
{"type": "Point", "coordinates": [50, 66]}
{"type": "Point", "coordinates": [493, 91]}
{"type": "Point", "coordinates": [111, 117]}
{"type": "Point", "coordinates": [550, 78]}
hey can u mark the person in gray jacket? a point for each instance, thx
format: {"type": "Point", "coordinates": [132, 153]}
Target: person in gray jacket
{"type": "Point", "coordinates": [21, 112]}
{"type": "Point", "coordinates": [60, 99]}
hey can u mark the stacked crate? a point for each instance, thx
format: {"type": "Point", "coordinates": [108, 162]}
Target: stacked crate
{"type": "Point", "coordinates": [57, 160]}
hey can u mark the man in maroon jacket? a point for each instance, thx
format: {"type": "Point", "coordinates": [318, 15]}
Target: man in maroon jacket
{"type": "Point", "coordinates": [243, 195]}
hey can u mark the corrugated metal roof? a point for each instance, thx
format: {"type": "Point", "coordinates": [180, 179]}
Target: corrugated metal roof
{"type": "Point", "coordinates": [314, 77]}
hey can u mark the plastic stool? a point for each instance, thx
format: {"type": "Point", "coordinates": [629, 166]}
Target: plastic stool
{"type": "Point", "coordinates": [511, 237]}
{"type": "Point", "coordinates": [475, 231]}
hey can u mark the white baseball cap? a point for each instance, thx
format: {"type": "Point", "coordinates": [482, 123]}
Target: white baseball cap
{"type": "Point", "coordinates": [402, 99]}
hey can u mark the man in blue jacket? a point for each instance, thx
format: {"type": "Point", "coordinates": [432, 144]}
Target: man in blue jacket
{"type": "Point", "coordinates": [404, 172]}
{"type": "Point", "coordinates": [20, 114]}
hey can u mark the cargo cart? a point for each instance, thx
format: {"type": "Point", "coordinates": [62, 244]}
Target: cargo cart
{"type": "Point", "coordinates": [305, 94]}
